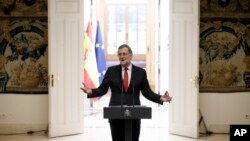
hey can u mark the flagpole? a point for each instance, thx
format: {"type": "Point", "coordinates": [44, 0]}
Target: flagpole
{"type": "Point", "coordinates": [91, 16]}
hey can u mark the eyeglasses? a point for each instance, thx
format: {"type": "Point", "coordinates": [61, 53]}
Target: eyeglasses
{"type": "Point", "coordinates": [122, 54]}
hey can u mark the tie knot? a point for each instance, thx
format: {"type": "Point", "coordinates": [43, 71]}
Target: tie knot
{"type": "Point", "coordinates": [126, 68]}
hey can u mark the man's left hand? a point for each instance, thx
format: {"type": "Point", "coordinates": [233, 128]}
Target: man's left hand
{"type": "Point", "coordinates": [166, 97]}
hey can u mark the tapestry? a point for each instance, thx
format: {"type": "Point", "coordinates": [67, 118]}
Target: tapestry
{"type": "Point", "coordinates": [224, 46]}
{"type": "Point", "coordinates": [224, 56]}
{"type": "Point", "coordinates": [23, 47]}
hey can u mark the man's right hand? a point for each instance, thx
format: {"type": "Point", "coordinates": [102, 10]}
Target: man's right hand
{"type": "Point", "coordinates": [86, 89]}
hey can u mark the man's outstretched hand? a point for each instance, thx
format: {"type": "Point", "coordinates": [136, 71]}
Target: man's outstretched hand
{"type": "Point", "coordinates": [86, 89]}
{"type": "Point", "coordinates": [166, 97]}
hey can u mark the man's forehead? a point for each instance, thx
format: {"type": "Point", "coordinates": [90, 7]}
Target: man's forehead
{"type": "Point", "coordinates": [123, 49]}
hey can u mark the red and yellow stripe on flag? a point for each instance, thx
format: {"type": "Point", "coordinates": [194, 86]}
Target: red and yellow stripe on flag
{"type": "Point", "coordinates": [90, 65]}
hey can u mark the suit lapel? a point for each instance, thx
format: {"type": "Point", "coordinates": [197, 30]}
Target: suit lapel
{"type": "Point", "coordinates": [120, 75]}
{"type": "Point", "coordinates": [132, 77]}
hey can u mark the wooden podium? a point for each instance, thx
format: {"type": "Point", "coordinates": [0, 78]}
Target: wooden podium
{"type": "Point", "coordinates": [128, 113]}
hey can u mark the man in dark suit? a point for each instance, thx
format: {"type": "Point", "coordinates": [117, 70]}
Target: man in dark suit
{"type": "Point", "coordinates": [126, 82]}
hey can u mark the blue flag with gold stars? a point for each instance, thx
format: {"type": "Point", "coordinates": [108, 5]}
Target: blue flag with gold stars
{"type": "Point", "coordinates": [100, 56]}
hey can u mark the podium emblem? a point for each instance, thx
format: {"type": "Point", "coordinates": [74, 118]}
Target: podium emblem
{"type": "Point", "coordinates": [127, 113]}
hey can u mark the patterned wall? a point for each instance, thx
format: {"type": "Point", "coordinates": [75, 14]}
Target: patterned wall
{"type": "Point", "coordinates": [23, 46]}
{"type": "Point", "coordinates": [225, 46]}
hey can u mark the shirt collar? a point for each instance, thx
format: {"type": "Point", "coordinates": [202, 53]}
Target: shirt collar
{"type": "Point", "coordinates": [129, 67]}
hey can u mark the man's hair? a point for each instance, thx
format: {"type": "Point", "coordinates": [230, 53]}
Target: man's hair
{"type": "Point", "coordinates": [126, 46]}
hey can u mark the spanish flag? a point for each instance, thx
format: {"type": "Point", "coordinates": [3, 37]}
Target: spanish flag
{"type": "Point", "coordinates": [90, 66]}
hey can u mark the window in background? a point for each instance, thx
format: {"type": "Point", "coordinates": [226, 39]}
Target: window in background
{"type": "Point", "coordinates": [126, 23]}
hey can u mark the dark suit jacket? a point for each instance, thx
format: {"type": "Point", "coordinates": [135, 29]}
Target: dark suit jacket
{"type": "Point", "coordinates": [138, 82]}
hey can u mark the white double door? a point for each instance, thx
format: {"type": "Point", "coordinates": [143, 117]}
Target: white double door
{"type": "Point", "coordinates": [66, 67]}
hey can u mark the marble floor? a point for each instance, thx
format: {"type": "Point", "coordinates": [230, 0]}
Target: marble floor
{"type": "Point", "coordinates": [97, 134]}
{"type": "Point", "coordinates": [97, 129]}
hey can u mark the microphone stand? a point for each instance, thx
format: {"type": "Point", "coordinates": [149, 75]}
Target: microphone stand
{"type": "Point", "coordinates": [122, 96]}
{"type": "Point", "coordinates": [133, 94]}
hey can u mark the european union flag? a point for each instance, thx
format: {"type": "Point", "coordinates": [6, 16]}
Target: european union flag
{"type": "Point", "coordinates": [100, 56]}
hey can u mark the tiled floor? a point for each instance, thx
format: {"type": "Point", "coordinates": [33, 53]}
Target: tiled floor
{"type": "Point", "coordinates": [97, 129]}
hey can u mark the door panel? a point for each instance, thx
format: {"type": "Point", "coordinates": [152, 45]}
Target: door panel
{"type": "Point", "coordinates": [65, 67]}
{"type": "Point", "coordinates": [184, 35]}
